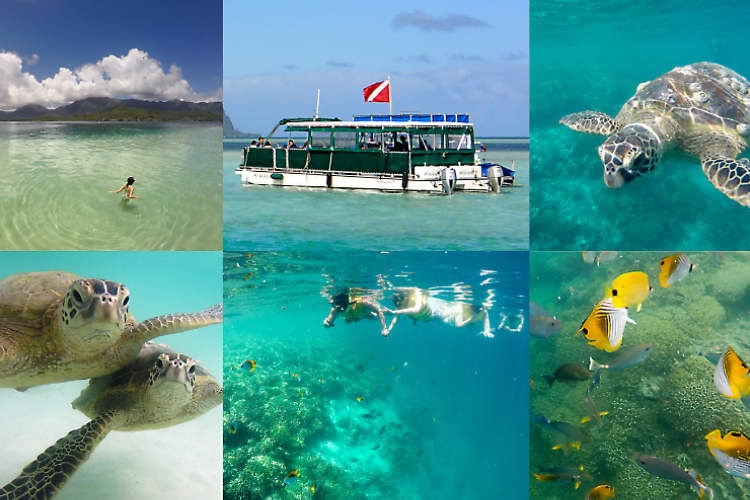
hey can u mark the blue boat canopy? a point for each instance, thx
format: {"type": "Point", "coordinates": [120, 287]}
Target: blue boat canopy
{"type": "Point", "coordinates": [416, 117]}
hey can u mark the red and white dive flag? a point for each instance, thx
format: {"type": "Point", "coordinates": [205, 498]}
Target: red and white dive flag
{"type": "Point", "coordinates": [378, 92]}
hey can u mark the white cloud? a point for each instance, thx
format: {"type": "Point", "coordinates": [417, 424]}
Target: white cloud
{"type": "Point", "coordinates": [32, 60]}
{"type": "Point", "coordinates": [134, 75]}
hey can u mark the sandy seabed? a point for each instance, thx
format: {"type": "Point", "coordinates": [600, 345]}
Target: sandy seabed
{"type": "Point", "coordinates": [126, 465]}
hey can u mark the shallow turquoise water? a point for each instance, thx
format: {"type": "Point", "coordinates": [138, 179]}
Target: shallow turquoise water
{"type": "Point", "coordinates": [592, 56]}
{"type": "Point", "coordinates": [664, 406]}
{"type": "Point", "coordinates": [126, 465]}
{"type": "Point", "coordinates": [270, 218]}
{"type": "Point", "coordinates": [443, 409]}
{"type": "Point", "coordinates": [55, 178]}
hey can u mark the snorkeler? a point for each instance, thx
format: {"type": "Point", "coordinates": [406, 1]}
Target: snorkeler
{"type": "Point", "coordinates": [128, 188]}
{"type": "Point", "coordinates": [354, 305]}
{"type": "Point", "coordinates": [418, 304]}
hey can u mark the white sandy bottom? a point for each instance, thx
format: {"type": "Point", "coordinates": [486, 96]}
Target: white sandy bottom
{"type": "Point", "coordinates": [126, 465]}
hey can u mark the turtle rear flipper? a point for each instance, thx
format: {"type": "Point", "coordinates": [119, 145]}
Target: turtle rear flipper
{"type": "Point", "coordinates": [730, 176]}
{"type": "Point", "coordinates": [168, 324]}
{"type": "Point", "coordinates": [591, 122]}
{"type": "Point", "coordinates": [44, 477]}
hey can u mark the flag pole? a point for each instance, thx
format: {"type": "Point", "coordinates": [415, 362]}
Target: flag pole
{"type": "Point", "coordinates": [390, 96]}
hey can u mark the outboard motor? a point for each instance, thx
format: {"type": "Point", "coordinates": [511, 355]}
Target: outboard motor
{"type": "Point", "coordinates": [448, 178]}
{"type": "Point", "coordinates": [495, 178]}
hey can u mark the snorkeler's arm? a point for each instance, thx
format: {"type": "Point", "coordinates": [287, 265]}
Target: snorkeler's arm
{"type": "Point", "coordinates": [385, 331]}
{"type": "Point", "coordinates": [390, 327]}
{"type": "Point", "coordinates": [328, 322]}
{"type": "Point", "coordinates": [123, 187]}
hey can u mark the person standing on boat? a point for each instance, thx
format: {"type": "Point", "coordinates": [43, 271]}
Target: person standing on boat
{"type": "Point", "coordinates": [419, 305]}
{"type": "Point", "coordinates": [261, 142]}
{"type": "Point", "coordinates": [291, 144]}
{"type": "Point", "coordinates": [128, 187]}
{"type": "Point", "coordinates": [354, 305]}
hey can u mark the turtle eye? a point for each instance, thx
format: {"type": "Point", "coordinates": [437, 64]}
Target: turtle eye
{"type": "Point", "coordinates": [125, 302]}
{"type": "Point", "coordinates": [191, 370]}
{"type": "Point", "coordinates": [159, 364]}
{"type": "Point", "coordinates": [77, 296]}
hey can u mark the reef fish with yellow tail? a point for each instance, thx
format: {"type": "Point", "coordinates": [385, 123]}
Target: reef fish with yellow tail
{"type": "Point", "coordinates": [674, 268]}
{"type": "Point", "coordinates": [631, 357]}
{"type": "Point", "coordinates": [629, 289]}
{"type": "Point", "coordinates": [562, 475]}
{"type": "Point", "coordinates": [234, 427]}
{"type": "Point", "coordinates": [568, 372]}
{"type": "Point", "coordinates": [732, 451]}
{"type": "Point", "coordinates": [290, 478]}
{"type": "Point", "coordinates": [732, 375]}
{"type": "Point", "coordinates": [543, 325]}
{"type": "Point", "coordinates": [565, 434]}
{"type": "Point", "coordinates": [314, 489]}
{"type": "Point", "coordinates": [248, 365]}
{"type": "Point", "coordinates": [667, 470]}
{"type": "Point", "coordinates": [605, 325]}
{"type": "Point", "coordinates": [601, 492]}
{"type": "Point", "coordinates": [592, 410]}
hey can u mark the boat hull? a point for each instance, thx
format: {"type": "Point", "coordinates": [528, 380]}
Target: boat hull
{"type": "Point", "coordinates": [427, 179]}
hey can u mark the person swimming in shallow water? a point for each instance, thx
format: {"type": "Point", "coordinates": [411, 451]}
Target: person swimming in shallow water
{"type": "Point", "coordinates": [420, 305]}
{"type": "Point", "coordinates": [355, 305]}
{"type": "Point", "coordinates": [128, 189]}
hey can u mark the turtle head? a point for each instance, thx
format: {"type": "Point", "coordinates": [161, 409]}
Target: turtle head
{"type": "Point", "coordinates": [633, 150]}
{"type": "Point", "coordinates": [179, 385]}
{"type": "Point", "coordinates": [171, 378]}
{"type": "Point", "coordinates": [93, 314]}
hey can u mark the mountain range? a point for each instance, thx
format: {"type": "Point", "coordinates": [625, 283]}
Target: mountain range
{"type": "Point", "coordinates": [110, 109]}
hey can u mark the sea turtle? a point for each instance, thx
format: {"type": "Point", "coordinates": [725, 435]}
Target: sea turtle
{"type": "Point", "coordinates": [56, 326]}
{"type": "Point", "coordinates": [159, 389]}
{"type": "Point", "coordinates": [702, 109]}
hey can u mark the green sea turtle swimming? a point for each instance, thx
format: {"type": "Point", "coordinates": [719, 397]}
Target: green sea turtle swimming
{"type": "Point", "coordinates": [702, 109]}
{"type": "Point", "coordinates": [159, 389]}
{"type": "Point", "coordinates": [56, 326]}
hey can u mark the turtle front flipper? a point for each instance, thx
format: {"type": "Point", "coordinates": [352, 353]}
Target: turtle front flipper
{"type": "Point", "coordinates": [591, 122]}
{"type": "Point", "coordinates": [730, 176]}
{"type": "Point", "coordinates": [44, 477]}
{"type": "Point", "coordinates": [168, 324]}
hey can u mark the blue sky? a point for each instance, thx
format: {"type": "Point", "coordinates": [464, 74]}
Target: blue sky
{"type": "Point", "coordinates": [41, 36]}
{"type": "Point", "coordinates": [442, 57]}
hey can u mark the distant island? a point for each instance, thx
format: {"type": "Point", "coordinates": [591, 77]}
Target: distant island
{"type": "Point", "coordinates": [230, 132]}
{"type": "Point", "coordinates": [109, 109]}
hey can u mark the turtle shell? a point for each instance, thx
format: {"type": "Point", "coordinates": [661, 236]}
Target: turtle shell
{"type": "Point", "coordinates": [698, 94]}
{"type": "Point", "coordinates": [27, 296]}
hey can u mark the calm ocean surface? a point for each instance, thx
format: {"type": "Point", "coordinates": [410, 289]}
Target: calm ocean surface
{"type": "Point", "coordinates": [271, 218]}
{"type": "Point", "coordinates": [441, 411]}
{"type": "Point", "coordinates": [55, 178]}
{"type": "Point", "coordinates": [593, 55]}
{"type": "Point", "coordinates": [126, 465]}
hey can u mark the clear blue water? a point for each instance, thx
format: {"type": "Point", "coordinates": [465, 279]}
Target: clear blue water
{"type": "Point", "coordinates": [444, 409]}
{"type": "Point", "coordinates": [270, 218]}
{"type": "Point", "coordinates": [593, 55]}
{"type": "Point", "coordinates": [159, 283]}
{"type": "Point", "coordinates": [55, 178]}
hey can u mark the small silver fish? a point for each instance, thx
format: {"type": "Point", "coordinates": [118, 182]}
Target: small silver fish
{"type": "Point", "coordinates": [631, 357]}
{"type": "Point", "coordinates": [543, 325]}
{"type": "Point", "coordinates": [667, 470]}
